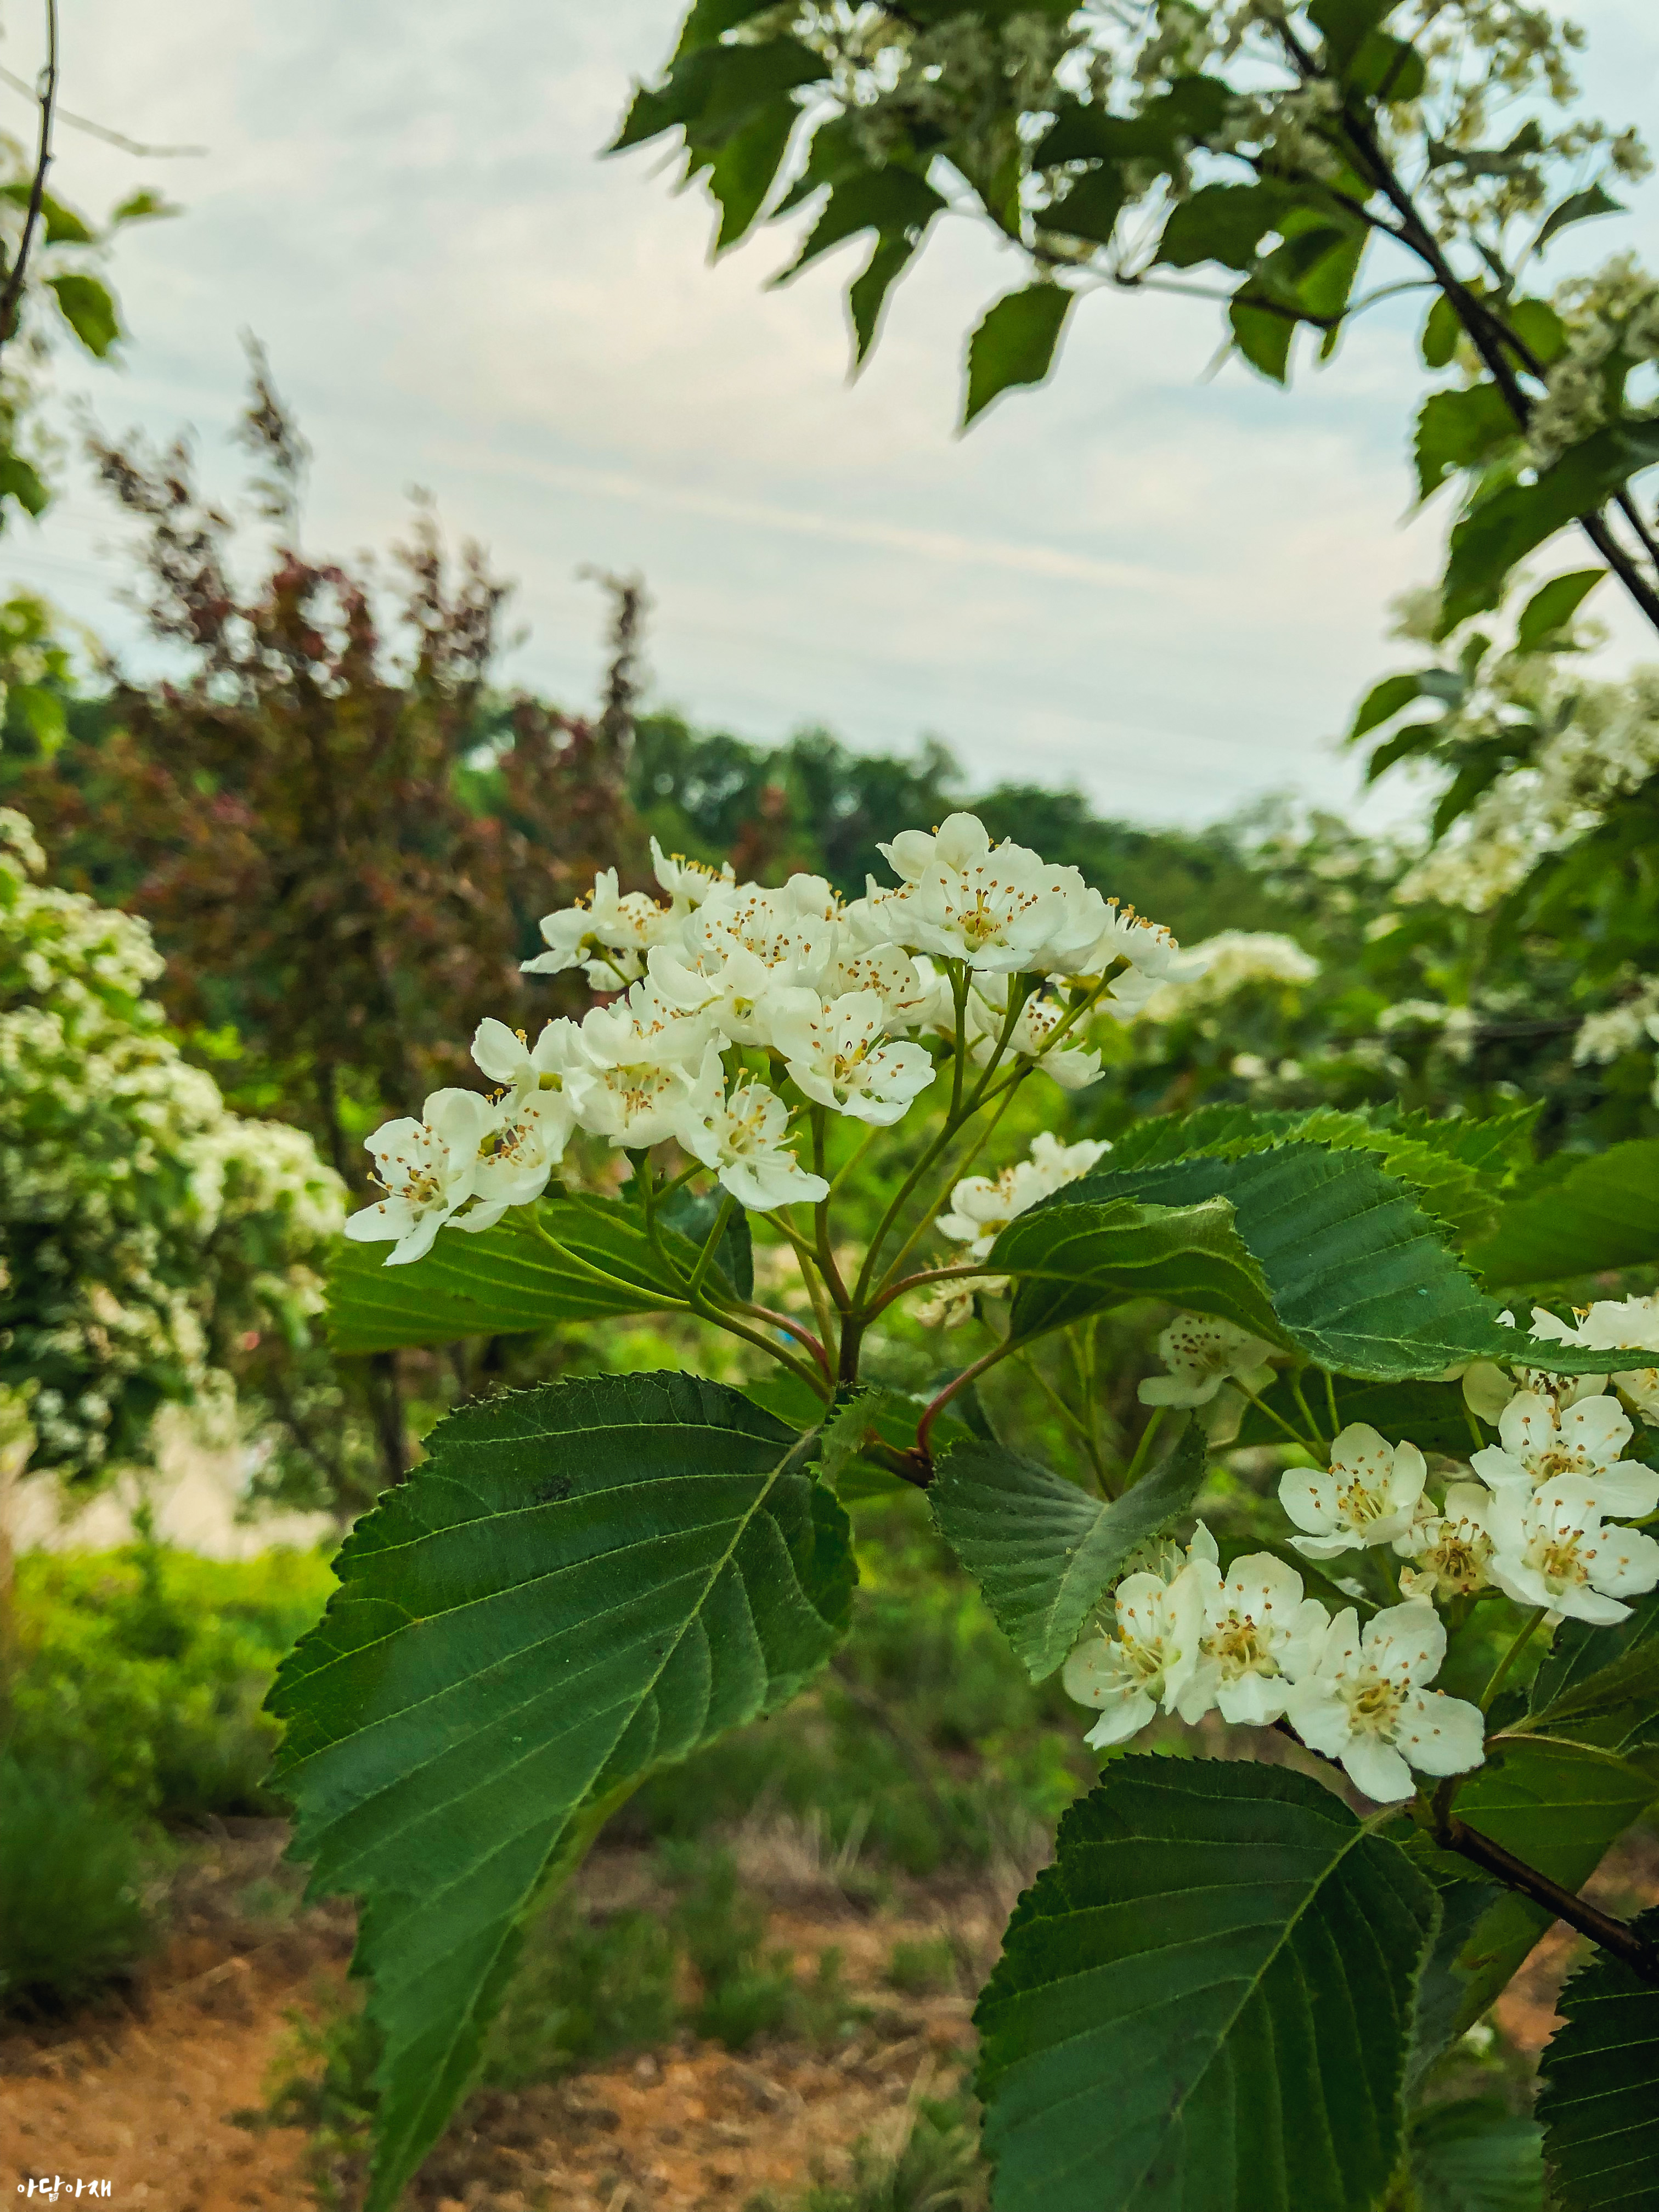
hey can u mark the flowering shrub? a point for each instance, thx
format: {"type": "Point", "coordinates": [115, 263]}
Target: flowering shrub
{"type": "Point", "coordinates": [149, 1240]}
{"type": "Point", "coordinates": [590, 1579]}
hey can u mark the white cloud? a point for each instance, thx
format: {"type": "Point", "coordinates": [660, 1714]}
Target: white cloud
{"type": "Point", "coordinates": [1169, 590]}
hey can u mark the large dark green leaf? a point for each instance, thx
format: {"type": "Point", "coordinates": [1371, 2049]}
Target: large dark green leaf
{"type": "Point", "coordinates": [1599, 2099]}
{"type": "Point", "coordinates": [1460, 429]}
{"type": "Point", "coordinates": [1041, 1549]}
{"type": "Point", "coordinates": [1605, 1213]}
{"type": "Point", "coordinates": [1432, 1414]}
{"type": "Point", "coordinates": [1192, 108]}
{"type": "Point", "coordinates": [1205, 2001]}
{"type": "Point", "coordinates": [1475, 2156]}
{"type": "Point", "coordinates": [1359, 1279]}
{"type": "Point", "coordinates": [504, 1280]}
{"type": "Point", "coordinates": [1602, 1685]}
{"type": "Point", "coordinates": [1070, 1261]}
{"type": "Point", "coordinates": [742, 173]}
{"type": "Point", "coordinates": [1513, 522]}
{"type": "Point", "coordinates": [1015, 344]}
{"type": "Point", "coordinates": [895, 202]}
{"type": "Point", "coordinates": [581, 1582]}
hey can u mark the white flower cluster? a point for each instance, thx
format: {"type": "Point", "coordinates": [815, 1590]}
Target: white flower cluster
{"type": "Point", "coordinates": [825, 996]}
{"type": "Point", "coordinates": [982, 1207]}
{"type": "Point", "coordinates": [1210, 972]}
{"type": "Point", "coordinates": [1187, 1639]}
{"type": "Point", "coordinates": [1631, 1026]}
{"type": "Point", "coordinates": [1545, 1522]}
{"type": "Point", "coordinates": [129, 1195]}
{"type": "Point", "coordinates": [1612, 315]}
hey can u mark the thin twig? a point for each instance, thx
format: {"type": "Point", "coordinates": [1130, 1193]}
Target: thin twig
{"type": "Point", "coordinates": [145, 153]}
{"type": "Point", "coordinates": [47, 93]}
{"type": "Point", "coordinates": [1615, 1936]}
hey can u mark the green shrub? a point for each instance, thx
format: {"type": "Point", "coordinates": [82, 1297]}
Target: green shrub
{"type": "Point", "coordinates": [73, 1914]}
{"type": "Point", "coordinates": [143, 1671]}
{"type": "Point", "coordinates": [924, 1969]}
{"type": "Point", "coordinates": [584, 1989]}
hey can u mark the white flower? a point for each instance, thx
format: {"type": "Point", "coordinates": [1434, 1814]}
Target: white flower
{"type": "Point", "coordinates": [1209, 973]}
{"type": "Point", "coordinates": [1147, 1662]}
{"type": "Point", "coordinates": [1551, 1547]}
{"type": "Point", "coordinates": [742, 1139]}
{"type": "Point", "coordinates": [507, 1057]}
{"type": "Point", "coordinates": [1450, 1550]}
{"type": "Point", "coordinates": [1620, 1325]}
{"type": "Point", "coordinates": [1539, 1439]}
{"type": "Point", "coordinates": [982, 1209]}
{"type": "Point", "coordinates": [1147, 946]}
{"type": "Point", "coordinates": [1261, 1637]}
{"type": "Point", "coordinates": [641, 1051]}
{"type": "Point", "coordinates": [997, 907]}
{"type": "Point", "coordinates": [836, 1055]}
{"type": "Point", "coordinates": [428, 1170]}
{"type": "Point", "coordinates": [609, 935]}
{"type": "Point", "coordinates": [688, 883]}
{"type": "Point", "coordinates": [1201, 1354]}
{"type": "Point", "coordinates": [1368, 1495]}
{"type": "Point", "coordinates": [1364, 1702]}
{"type": "Point", "coordinates": [1070, 1064]}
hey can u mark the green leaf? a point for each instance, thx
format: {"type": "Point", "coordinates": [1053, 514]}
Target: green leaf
{"type": "Point", "coordinates": [1538, 326]}
{"type": "Point", "coordinates": [1514, 521]}
{"type": "Point", "coordinates": [581, 1582]}
{"type": "Point", "coordinates": [1206, 2000]}
{"type": "Point", "coordinates": [1600, 1684]}
{"type": "Point", "coordinates": [709, 19]}
{"type": "Point", "coordinates": [1578, 207]}
{"type": "Point", "coordinates": [1475, 2156]}
{"type": "Point", "coordinates": [1460, 430]}
{"type": "Point", "coordinates": [1221, 222]}
{"type": "Point", "coordinates": [1360, 1280]}
{"type": "Point", "coordinates": [60, 224]}
{"type": "Point", "coordinates": [1552, 608]}
{"type": "Point", "coordinates": [895, 202]}
{"type": "Point", "coordinates": [1042, 1550]}
{"type": "Point", "coordinates": [1015, 344]}
{"type": "Point", "coordinates": [1599, 2102]}
{"type": "Point", "coordinates": [20, 482]}
{"type": "Point", "coordinates": [1261, 335]}
{"type": "Point", "coordinates": [712, 91]}
{"type": "Point", "coordinates": [505, 1280]}
{"type": "Point", "coordinates": [1604, 1213]}
{"type": "Point", "coordinates": [1070, 1261]}
{"type": "Point", "coordinates": [693, 1217]}
{"type": "Point", "coordinates": [1383, 702]}
{"type": "Point", "coordinates": [743, 172]}
{"type": "Point", "coordinates": [88, 310]}
{"type": "Point", "coordinates": [1192, 109]}
{"type": "Point", "coordinates": [1440, 331]}
{"type": "Point", "coordinates": [866, 296]}
{"type": "Point", "coordinates": [1346, 25]}
{"type": "Point", "coordinates": [142, 206]}
{"type": "Point", "coordinates": [1091, 208]}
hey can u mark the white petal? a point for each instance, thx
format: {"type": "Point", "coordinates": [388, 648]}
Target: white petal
{"type": "Point", "coordinates": [1119, 1721]}
{"type": "Point", "coordinates": [498, 1053]}
{"type": "Point", "coordinates": [1377, 1769]}
{"type": "Point", "coordinates": [1441, 1735]}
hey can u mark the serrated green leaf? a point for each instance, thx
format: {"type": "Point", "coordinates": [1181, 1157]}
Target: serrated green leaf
{"type": "Point", "coordinates": [1383, 702]}
{"type": "Point", "coordinates": [1602, 1684]}
{"type": "Point", "coordinates": [1206, 1999]}
{"type": "Point", "coordinates": [1553, 606]}
{"type": "Point", "coordinates": [89, 311]}
{"type": "Point", "coordinates": [1577, 207]}
{"type": "Point", "coordinates": [1090, 207]}
{"type": "Point", "coordinates": [743, 171]}
{"type": "Point", "coordinates": [581, 1582]}
{"type": "Point", "coordinates": [1043, 1551]}
{"type": "Point", "coordinates": [1599, 2101]}
{"type": "Point", "coordinates": [1441, 329]}
{"type": "Point", "coordinates": [1221, 222]}
{"type": "Point", "coordinates": [1460, 430]}
{"type": "Point", "coordinates": [504, 1280]}
{"type": "Point", "coordinates": [1359, 1278]}
{"type": "Point", "coordinates": [1476, 2156]}
{"type": "Point", "coordinates": [21, 482]}
{"type": "Point", "coordinates": [1015, 344]}
{"type": "Point", "coordinates": [895, 202]}
{"type": "Point", "coordinates": [1075, 1259]}
{"type": "Point", "coordinates": [1604, 1213]}
{"type": "Point", "coordinates": [1514, 521]}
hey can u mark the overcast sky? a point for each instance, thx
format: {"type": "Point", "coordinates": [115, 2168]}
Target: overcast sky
{"type": "Point", "coordinates": [1167, 589]}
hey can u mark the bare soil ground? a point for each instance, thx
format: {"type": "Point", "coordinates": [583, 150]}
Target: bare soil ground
{"type": "Point", "coordinates": [142, 2092]}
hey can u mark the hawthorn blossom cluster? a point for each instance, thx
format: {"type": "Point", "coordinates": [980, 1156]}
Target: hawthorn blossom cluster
{"type": "Point", "coordinates": [732, 1011]}
{"type": "Point", "coordinates": [1544, 1520]}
